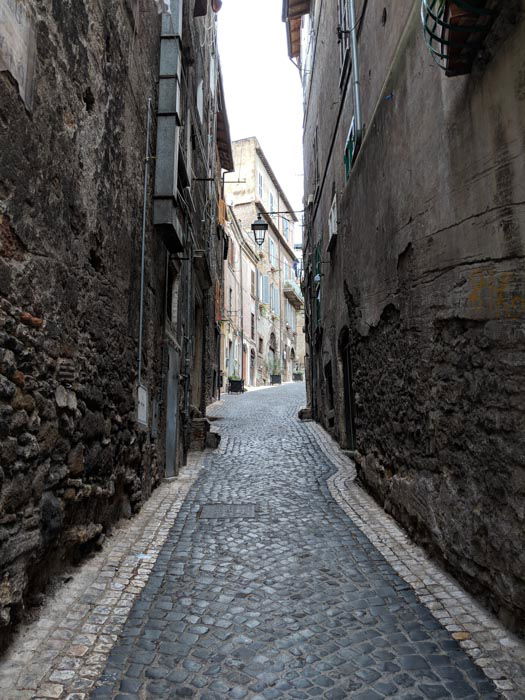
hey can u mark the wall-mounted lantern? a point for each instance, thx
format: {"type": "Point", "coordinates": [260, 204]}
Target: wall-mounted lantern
{"type": "Point", "coordinates": [259, 228]}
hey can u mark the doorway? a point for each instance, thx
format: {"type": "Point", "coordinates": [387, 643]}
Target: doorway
{"type": "Point", "coordinates": [172, 402]}
{"type": "Point", "coordinates": [348, 391]}
{"type": "Point", "coordinates": [252, 367]}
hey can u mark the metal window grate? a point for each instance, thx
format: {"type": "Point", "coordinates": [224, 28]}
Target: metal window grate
{"type": "Point", "coordinates": [455, 31]}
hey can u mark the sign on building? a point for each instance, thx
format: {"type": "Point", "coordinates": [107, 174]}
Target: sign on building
{"type": "Point", "coordinates": [18, 46]}
{"type": "Point", "coordinates": [142, 405]}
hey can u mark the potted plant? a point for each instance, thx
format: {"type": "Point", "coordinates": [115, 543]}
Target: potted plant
{"type": "Point", "coordinates": [275, 372]}
{"type": "Point", "coordinates": [235, 384]}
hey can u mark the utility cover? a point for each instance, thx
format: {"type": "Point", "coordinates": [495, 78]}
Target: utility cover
{"type": "Point", "coordinates": [227, 510]}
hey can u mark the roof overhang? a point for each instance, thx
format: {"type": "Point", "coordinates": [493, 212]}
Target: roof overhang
{"type": "Point", "coordinates": [293, 11]}
{"type": "Point", "coordinates": [224, 143]}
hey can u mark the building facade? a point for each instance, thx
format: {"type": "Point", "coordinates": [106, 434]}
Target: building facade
{"type": "Point", "coordinates": [113, 140]}
{"type": "Point", "coordinates": [414, 277]}
{"type": "Point", "coordinates": [272, 295]}
{"type": "Point", "coordinates": [240, 306]}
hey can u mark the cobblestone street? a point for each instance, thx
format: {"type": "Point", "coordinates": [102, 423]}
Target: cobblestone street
{"type": "Point", "coordinates": [278, 594]}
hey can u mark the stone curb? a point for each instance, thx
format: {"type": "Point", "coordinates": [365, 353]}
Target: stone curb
{"type": "Point", "coordinates": [499, 653]}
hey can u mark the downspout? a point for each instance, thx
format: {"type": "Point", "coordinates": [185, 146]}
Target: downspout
{"type": "Point", "coordinates": [280, 307]}
{"type": "Point", "coordinates": [242, 315]}
{"type": "Point", "coordinates": [189, 329]}
{"type": "Point", "coordinates": [257, 307]}
{"type": "Point", "coordinates": [356, 83]}
{"type": "Point", "coordinates": [143, 246]}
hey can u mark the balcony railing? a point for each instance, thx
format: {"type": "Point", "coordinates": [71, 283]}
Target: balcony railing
{"type": "Point", "coordinates": [455, 31]}
{"type": "Point", "coordinates": [293, 293]}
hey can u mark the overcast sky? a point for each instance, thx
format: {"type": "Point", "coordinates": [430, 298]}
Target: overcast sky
{"type": "Point", "coordinates": [263, 87]}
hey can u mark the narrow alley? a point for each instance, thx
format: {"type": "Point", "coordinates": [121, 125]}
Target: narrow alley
{"type": "Point", "coordinates": [262, 359]}
{"type": "Point", "coordinates": [257, 584]}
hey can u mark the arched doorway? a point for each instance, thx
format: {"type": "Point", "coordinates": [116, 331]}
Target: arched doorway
{"type": "Point", "coordinates": [349, 405]}
{"type": "Point", "coordinates": [272, 356]}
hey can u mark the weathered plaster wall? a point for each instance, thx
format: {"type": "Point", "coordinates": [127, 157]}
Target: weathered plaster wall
{"type": "Point", "coordinates": [72, 460]}
{"type": "Point", "coordinates": [429, 261]}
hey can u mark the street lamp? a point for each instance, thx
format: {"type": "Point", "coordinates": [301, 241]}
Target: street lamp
{"type": "Point", "coordinates": [259, 228]}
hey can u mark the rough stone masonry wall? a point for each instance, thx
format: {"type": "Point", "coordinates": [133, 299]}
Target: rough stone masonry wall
{"type": "Point", "coordinates": [71, 458]}
{"type": "Point", "coordinates": [430, 262]}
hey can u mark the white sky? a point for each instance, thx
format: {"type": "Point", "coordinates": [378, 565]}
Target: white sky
{"type": "Point", "coordinates": [263, 88]}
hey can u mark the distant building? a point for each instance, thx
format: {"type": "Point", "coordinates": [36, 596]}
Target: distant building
{"type": "Point", "coordinates": [240, 306]}
{"type": "Point", "coordinates": [272, 298]}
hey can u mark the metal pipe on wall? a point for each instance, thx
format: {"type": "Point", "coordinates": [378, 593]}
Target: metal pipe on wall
{"type": "Point", "coordinates": [143, 247]}
{"type": "Point", "coordinates": [356, 83]}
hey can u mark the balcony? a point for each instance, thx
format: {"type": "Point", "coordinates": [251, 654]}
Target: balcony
{"type": "Point", "coordinates": [455, 31]}
{"type": "Point", "coordinates": [293, 293]}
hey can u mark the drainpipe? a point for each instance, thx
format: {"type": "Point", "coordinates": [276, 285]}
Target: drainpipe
{"type": "Point", "coordinates": [242, 314]}
{"type": "Point", "coordinates": [356, 83]}
{"type": "Point", "coordinates": [143, 246]}
{"type": "Point", "coordinates": [281, 319]}
{"type": "Point", "coordinates": [188, 344]}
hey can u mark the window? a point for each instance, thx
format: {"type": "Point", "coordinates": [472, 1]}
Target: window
{"type": "Point", "coordinates": [271, 202]}
{"type": "Point", "coordinates": [265, 289]}
{"type": "Point", "coordinates": [286, 227]}
{"type": "Point", "coordinates": [200, 100]}
{"type": "Point", "coordinates": [273, 256]}
{"type": "Point", "coordinates": [230, 300]}
{"type": "Point", "coordinates": [252, 286]}
{"type": "Point", "coordinates": [260, 186]}
{"type": "Point", "coordinates": [332, 224]}
{"type": "Point", "coordinates": [253, 327]}
{"type": "Point", "coordinates": [308, 42]}
{"type": "Point", "coordinates": [291, 316]}
{"type": "Point", "coordinates": [231, 253]}
{"type": "Point", "coordinates": [261, 345]}
{"type": "Point", "coordinates": [316, 162]}
{"type": "Point", "coordinates": [213, 76]}
{"type": "Point", "coordinates": [274, 296]}
{"type": "Point", "coordinates": [172, 302]}
{"type": "Point", "coordinates": [286, 271]}
{"type": "Point", "coordinates": [350, 149]}
{"type": "Point", "coordinates": [344, 37]}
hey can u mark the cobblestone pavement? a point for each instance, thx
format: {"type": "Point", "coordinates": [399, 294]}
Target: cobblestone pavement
{"type": "Point", "coordinates": [301, 588]}
{"type": "Point", "coordinates": [291, 600]}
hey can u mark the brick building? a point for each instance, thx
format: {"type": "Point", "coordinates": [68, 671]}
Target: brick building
{"type": "Point", "coordinates": [109, 342]}
{"type": "Point", "coordinates": [414, 242]}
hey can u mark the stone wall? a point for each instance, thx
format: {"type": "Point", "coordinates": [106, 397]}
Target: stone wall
{"type": "Point", "coordinates": [71, 175]}
{"type": "Point", "coordinates": [427, 277]}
